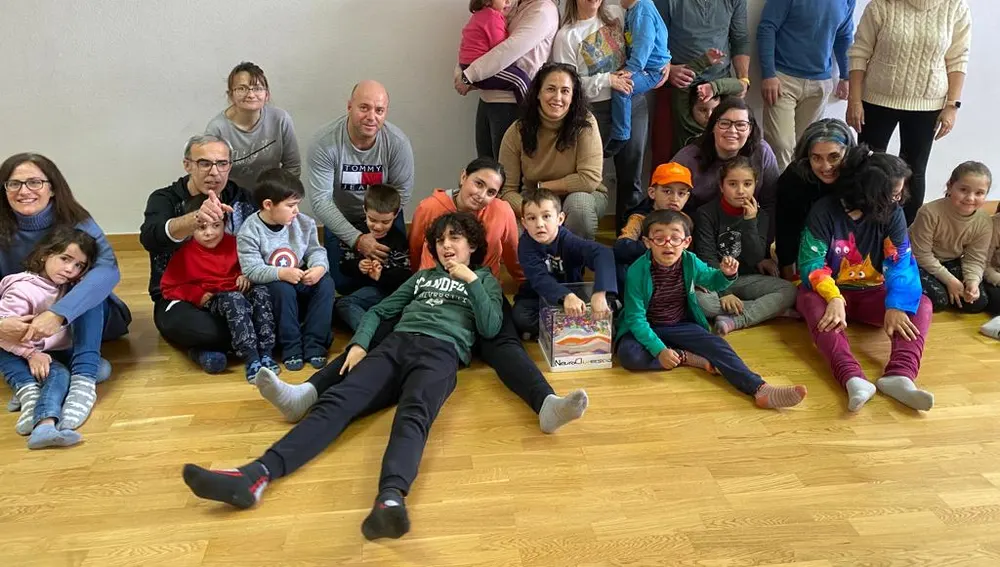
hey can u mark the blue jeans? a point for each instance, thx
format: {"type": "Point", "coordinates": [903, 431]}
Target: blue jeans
{"type": "Point", "coordinates": [621, 103]}
{"type": "Point", "coordinates": [345, 284]}
{"type": "Point", "coordinates": [694, 338]}
{"type": "Point", "coordinates": [54, 389]}
{"type": "Point", "coordinates": [351, 308]}
{"type": "Point", "coordinates": [88, 330]}
{"type": "Point", "coordinates": [315, 335]}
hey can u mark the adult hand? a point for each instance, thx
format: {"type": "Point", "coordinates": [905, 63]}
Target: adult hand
{"type": "Point", "coordinates": [460, 86]}
{"type": "Point", "coordinates": [205, 299]}
{"type": "Point", "coordinates": [664, 75]}
{"type": "Point", "coordinates": [212, 210]}
{"type": "Point", "coordinates": [43, 326]}
{"type": "Point", "coordinates": [731, 304]}
{"type": "Point", "coordinates": [768, 267]}
{"type": "Point", "coordinates": [13, 328]}
{"type": "Point", "coordinates": [376, 271]}
{"type": "Point", "coordinates": [971, 293]}
{"type": "Point", "coordinates": [243, 283]}
{"type": "Point", "coordinates": [770, 90]}
{"type": "Point", "coordinates": [574, 306]}
{"type": "Point", "coordinates": [843, 89]}
{"type": "Point", "coordinates": [855, 115]}
{"type": "Point", "coordinates": [313, 275]}
{"type": "Point", "coordinates": [621, 83]}
{"type": "Point", "coordinates": [729, 266]}
{"type": "Point", "coordinates": [39, 364]}
{"type": "Point", "coordinates": [354, 356]}
{"type": "Point", "coordinates": [669, 359]}
{"type": "Point", "coordinates": [290, 275]}
{"type": "Point", "coordinates": [681, 76]}
{"type": "Point", "coordinates": [956, 289]}
{"type": "Point", "coordinates": [705, 92]}
{"type": "Point", "coordinates": [835, 317]}
{"type": "Point", "coordinates": [898, 322]}
{"type": "Point", "coordinates": [945, 121]}
{"type": "Point", "coordinates": [599, 305]}
{"type": "Point", "coordinates": [371, 248]}
{"type": "Point", "coordinates": [460, 271]}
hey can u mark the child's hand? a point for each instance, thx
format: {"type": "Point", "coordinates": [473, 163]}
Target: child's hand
{"type": "Point", "coordinates": [750, 208]}
{"type": "Point", "coordinates": [460, 271]}
{"type": "Point", "coordinates": [715, 56]}
{"type": "Point", "coordinates": [768, 267]}
{"type": "Point", "coordinates": [835, 316]}
{"type": "Point", "coordinates": [731, 304]}
{"type": "Point", "coordinates": [729, 266]}
{"type": "Point", "coordinates": [898, 322]}
{"type": "Point", "coordinates": [376, 271]}
{"type": "Point", "coordinates": [669, 359]}
{"type": "Point", "coordinates": [290, 275]}
{"type": "Point", "coordinates": [971, 293]}
{"type": "Point", "coordinates": [205, 299]}
{"type": "Point", "coordinates": [705, 92]}
{"type": "Point", "coordinates": [354, 356]}
{"type": "Point", "coordinates": [38, 364]}
{"type": "Point", "coordinates": [313, 275]}
{"type": "Point", "coordinates": [599, 305]}
{"type": "Point", "coordinates": [574, 306]}
{"type": "Point", "coordinates": [242, 283]}
{"type": "Point", "coordinates": [365, 266]}
{"type": "Point", "coordinates": [956, 289]}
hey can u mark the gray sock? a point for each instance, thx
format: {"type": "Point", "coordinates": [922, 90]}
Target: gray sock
{"type": "Point", "coordinates": [293, 401]}
{"type": "Point", "coordinates": [557, 412]}
{"type": "Point", "coordinates": [903, 390]}
{"type": "Point", "coordinates": [13, 404]}
{"type": "Point", "coordinates": [47, 435]}
{"type": "Point", "coordinates": [79, 401]}
{"type": "Point", "coordinates": [28, 397]}
{"type": "Point", "coordinates": [859, 391]}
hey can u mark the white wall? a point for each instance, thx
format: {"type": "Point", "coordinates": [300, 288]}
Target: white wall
{"type": "Point", "coordinates": [111, 89]}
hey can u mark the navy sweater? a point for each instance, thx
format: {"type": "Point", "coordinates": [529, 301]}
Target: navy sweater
{"type": "Point", "coordinates": [547, 267]}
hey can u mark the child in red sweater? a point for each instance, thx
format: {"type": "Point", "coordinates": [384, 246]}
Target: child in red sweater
{"type": "Point", "coordinates": [205, 271]}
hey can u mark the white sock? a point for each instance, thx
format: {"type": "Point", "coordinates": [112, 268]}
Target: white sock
{"type": "Point", "coordinates": [859, 391]}
{"type": "Point", "coordinates": [292, 401]}
{"type": "Point", "coordinates": [905, 392]}
{"type": "Point", "coordinates": [991, 328]}
{"type": "Point", "coordinates": [557, 412]}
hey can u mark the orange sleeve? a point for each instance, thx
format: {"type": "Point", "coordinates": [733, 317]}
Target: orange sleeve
{"type": "Point", "coordinates": [509, 240]}
{"type": "Point", "coordinates": [417, 228]}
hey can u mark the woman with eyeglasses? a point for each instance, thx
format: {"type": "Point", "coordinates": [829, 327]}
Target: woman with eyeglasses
{"type": "Point", "coordinates": [39, 200]}
{"type": "Point", "coordinates": [262, 136]}
{"type": "Point", "coordinates": [731, 131]}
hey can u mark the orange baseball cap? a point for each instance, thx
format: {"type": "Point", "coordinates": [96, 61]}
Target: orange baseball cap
{"type": "Point", "coordinates": [672, 172]}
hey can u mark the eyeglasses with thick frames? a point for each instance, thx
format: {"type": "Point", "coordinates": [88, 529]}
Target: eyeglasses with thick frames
{"type": "Point", "coordinates": [243, 90]}
{"type": "Point", "coordinates": [662, 241]}
{"type": "Point", "coordinates": [206, 164]}
{"type": "Point", "coordinates": [33, 184]}
{"type": "Point", "coordinates": [725, 124]}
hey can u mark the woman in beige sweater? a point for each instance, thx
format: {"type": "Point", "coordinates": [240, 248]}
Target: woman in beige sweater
{"type": "Point", "coordinates": [951, 241]}
{"type": "Point", "coordinates": [907, 67]}
{"type": "Point", "coordinates": [556, 145]}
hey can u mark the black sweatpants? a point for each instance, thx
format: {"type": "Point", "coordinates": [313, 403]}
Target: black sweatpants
{"type": "Point", "coordinates": [249, 318]}
{"type": "Point", "coordinates": [937, 292]}
{"type": "Point", "coordinates": [417, 373]}
{"type": "Point", "coordinates": [504, 353]}
{"type": "Point", "coordinates": [187, 326]}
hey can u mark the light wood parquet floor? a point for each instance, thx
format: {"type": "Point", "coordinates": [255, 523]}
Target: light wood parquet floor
{"type": "Point", "coordinates": [664, 469]}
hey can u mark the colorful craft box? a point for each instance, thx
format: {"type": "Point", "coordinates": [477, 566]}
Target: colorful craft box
{"type": "Point", "coordinates": [574, 343]}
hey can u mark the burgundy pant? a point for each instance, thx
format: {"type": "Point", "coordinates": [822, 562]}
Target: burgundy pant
{"type": "Point", "coordinates": [864, 306]}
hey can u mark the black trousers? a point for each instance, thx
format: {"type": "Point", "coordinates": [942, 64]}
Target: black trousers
{"type": "Point", "coordinates": [492, 121]}
{"type": "Point", "coordinates": [629, 189]}
{"type": "Point", "coordinates": [504, 353]}
{"type": "Point", "coordinates": [916, 136]}
{"type": "Point", "coordinates": [993, 296]}
{"type": "Point", "coordinates": [187, 326]}
{"type": "Point", "coordinates": [417, 373]}
{"type": "Point", "coordinates": [937, 292]}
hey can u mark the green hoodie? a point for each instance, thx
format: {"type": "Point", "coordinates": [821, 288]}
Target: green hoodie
{"type": "Point", "coordinates": [437, 305]}
{"type": "Point", "coordinates": [639, 291]}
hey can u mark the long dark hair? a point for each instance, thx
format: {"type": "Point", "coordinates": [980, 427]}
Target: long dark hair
{"type": "Point", "coordinates": [68, 211]}
{"type": "Point", "coordinates": [576, 118]}
{"type": "Point", "coordinates": [867, 180]}
{"type": "Point", "coordinates": [706, 141]}
{"type": "Point", "coordinates": [56, 242]}
{"type": "Point", "coordinates": [465, 224]}
{"type": "Point", "coordinates": [487, 163]}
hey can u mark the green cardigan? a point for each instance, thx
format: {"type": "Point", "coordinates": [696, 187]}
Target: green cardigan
{"type": "Point", "coordinates": [639, 291]}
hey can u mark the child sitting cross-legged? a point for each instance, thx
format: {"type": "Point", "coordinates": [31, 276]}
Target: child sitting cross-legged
{"type": "Point", "coordinates": [443, 309]}
{"type": "Point", "coordinates": [552, 256]}
{"type": "Point", "coordinates": [662, 326]}
{"type": "Point", "coordinates": [992, 285]}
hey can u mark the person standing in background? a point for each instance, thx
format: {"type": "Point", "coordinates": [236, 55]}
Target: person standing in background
{"type": "Point", "coordinates": [908, 65]}
{"type": "Point", "coordinates": [796, 42]}
{"type": "Point", "coordinates": [694, 27]}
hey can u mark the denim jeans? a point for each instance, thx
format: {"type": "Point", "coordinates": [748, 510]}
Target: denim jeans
{"type": "Point", "coordinates": [315, 335]}
{"type": "Point", "coordinates": [54, 389]}
{"type": "Point", "coordinates": [351, 308]}
{"type": "Point", "coordinates": [345, 284]}
{"type": "Point", "coordinates": [621, 103]}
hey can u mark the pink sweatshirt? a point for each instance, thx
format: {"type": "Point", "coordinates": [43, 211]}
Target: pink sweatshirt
{"type": "Point", "coordinates": [26, 293]}
{"type": "Point", "coordinates": [486, 29]}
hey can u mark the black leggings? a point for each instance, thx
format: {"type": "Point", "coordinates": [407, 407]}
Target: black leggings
{"type": "Point", "coordinates": [937, 292]}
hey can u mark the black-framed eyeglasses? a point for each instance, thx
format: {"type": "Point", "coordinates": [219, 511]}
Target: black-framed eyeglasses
{"type": "Point", "coordinates": [33, 184]}
{"type": "Point", "coordinates": [664, 240]}
{"type": "Point", "coordinates": [206, 164]}
{"type": "Point", "coordinates": [725, 124]}
{"type": "Point", "coordinates": [243, 90]}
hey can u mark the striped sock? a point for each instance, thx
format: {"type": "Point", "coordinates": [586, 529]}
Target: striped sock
{"type": "Point", "coordinates": [241, 487]}
{"type": "Point", "coordinates": [28, 396]}
{"type": "Point", "coordinates": [774, 397]}
{"type": "Point", "coordinates": [693, 360]}
{"type": "Point", "coordinates": [79, 401]}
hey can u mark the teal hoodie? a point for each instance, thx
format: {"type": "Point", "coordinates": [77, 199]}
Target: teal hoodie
{"type": "Point", "coordinates": [639, 292]}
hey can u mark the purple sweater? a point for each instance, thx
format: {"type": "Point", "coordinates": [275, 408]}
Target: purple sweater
{"type": "Point", "coordinates": [706, 182]}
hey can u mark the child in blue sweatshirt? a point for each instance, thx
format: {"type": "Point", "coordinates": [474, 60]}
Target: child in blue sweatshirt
{"type": "Point", "coordinates": [647, 64]}
{"type": "Point", "coordinates": [551, 256]}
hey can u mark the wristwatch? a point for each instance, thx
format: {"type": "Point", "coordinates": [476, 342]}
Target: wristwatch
{"type": "Point", "coordinates": [956, 103]}
{"type": "Point", "coordinates": [465, 79]}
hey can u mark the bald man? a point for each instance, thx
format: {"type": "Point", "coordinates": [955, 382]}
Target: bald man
{"type": "Point", "coordinates": [347, 155]}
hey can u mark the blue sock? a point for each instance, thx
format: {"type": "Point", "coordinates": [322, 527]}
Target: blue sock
{"type": "Point", "coordinates": [294, 363]}
{"type": "Point", "coordinates": [46, 435]}
{"type": "Point", "coordinates": [210, 361]}
{"type": "Point", "coordinates": [267, 362]}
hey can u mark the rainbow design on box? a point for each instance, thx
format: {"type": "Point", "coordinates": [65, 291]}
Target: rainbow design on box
{"type": "Point", "coordinates": [574, 343]}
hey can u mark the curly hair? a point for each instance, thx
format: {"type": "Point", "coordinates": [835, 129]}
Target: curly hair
{"type": "Point", "coordinates": [464, 224]}
{"type": "Point", "coordinates": [867, 182]}
{"type": "Point", "coordinates": [56, 242]}
{"type": "Point", "coordinates": [576, 119]}
{"type": "Point", "coordinates": [706, 141]}
{"type": "Point", "coordinates": [825, 130]}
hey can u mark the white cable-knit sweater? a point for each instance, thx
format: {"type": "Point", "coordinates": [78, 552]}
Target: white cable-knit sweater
{"type": "Point", "coordinates": [908, 47]}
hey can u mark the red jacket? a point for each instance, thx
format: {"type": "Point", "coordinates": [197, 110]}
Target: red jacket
{"type": "Point", "coordinates": [194, 270]}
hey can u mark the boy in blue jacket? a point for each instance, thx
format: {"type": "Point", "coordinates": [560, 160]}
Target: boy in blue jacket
{"type": "Point", "coordinates": [552, 256]}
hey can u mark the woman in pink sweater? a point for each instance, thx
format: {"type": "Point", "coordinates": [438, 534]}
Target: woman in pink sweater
{"type": "Point", "coordinates": [39, 382]}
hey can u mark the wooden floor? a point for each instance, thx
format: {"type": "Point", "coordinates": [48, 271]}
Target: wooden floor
{"type": "Point", "coordinates": [665, 469]}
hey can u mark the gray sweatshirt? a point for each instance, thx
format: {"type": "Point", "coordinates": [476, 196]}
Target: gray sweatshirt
{"type": "Point", "coordinates": [339, 174]}
{"type": "Point", "coordinates": [270, 144]}
{"type": "Point", "coordinates": [263, 251]}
